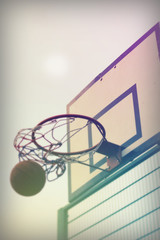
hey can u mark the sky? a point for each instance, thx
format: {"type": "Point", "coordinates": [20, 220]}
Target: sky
{"type": "Point", "coordinates": [50, 51]}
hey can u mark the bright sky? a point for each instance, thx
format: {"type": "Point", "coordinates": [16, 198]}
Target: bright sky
{"type": "Point", "coordinates": [50, 52]}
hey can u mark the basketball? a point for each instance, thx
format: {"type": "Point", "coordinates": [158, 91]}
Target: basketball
{"type": "Point", "coordinates": [27, 178]}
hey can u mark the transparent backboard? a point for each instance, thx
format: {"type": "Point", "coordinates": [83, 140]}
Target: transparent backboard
{"type": "Point", "coordinates": [125, 98]}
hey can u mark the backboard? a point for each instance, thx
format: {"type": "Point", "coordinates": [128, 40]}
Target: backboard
{"type": "Point", "coordinates": [125, 99]}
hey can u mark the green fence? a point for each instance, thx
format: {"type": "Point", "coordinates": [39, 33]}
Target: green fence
{"type": "Point", "coordinates": [124, 206]}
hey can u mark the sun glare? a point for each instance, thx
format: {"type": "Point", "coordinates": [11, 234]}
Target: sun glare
{"type": "Point", "coordinates": [56, 66]}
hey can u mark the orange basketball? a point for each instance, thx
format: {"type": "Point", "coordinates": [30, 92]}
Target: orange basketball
{"type": "Point", "coordinates": [27, 178]}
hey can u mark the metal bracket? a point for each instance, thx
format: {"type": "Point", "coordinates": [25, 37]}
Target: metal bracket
{"type": "Point", "coordinates": [112, 152]}
{"type": "Point", "coordinates": [109, 149]}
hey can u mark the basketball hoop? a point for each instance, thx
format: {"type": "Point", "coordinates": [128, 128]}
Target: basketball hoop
{"type": "Point", "coordinates": [46, 143]}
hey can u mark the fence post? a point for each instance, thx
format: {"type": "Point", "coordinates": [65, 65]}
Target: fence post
{"type": "Point", "coordinates": [62, 224]}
